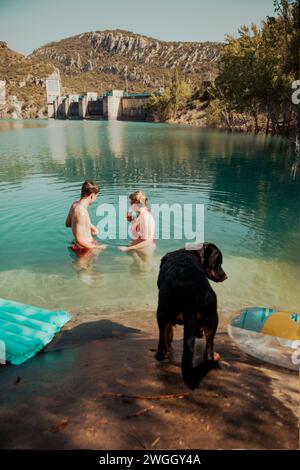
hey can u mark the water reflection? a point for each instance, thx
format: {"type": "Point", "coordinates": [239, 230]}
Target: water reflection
{"type": "Point", "coordinates": [115, 134]}
{"type": "Point", "coordinates": [57, 144]}
{"type": "Point", "coordinates": [84, 266]}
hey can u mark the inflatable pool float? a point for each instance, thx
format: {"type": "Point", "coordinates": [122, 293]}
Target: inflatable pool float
{"type": "Point", "coordinates": [267, 334]}
{"type": "Point", "coordinates": [25, 330]}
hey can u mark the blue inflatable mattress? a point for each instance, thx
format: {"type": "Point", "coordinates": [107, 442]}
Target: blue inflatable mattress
{"type": "Point", "coordinates": [25, 330]}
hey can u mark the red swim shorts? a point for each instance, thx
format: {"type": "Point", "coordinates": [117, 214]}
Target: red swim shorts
{"type": "Point", "coordinates": [79, 250]}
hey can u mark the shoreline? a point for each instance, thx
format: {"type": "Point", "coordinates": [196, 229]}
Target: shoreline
{"type": "Point", "coordinates": [97, 385]}
{"type": "Point", "coordinates": [169, 122]}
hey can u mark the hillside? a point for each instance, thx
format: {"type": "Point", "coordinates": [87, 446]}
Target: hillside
{"type": "Point", "coordinates": [25, 83]}
{"type": "Point", "coordinates": [99, 61]}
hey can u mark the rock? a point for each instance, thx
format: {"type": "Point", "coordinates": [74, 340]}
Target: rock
{"type": "Point", "coordinates": [107, 51]}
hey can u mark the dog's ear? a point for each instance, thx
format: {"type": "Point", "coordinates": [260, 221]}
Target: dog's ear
{"type": "Point", "coordinates": [201, 253]}
{"type": "Point", "coordinates": [209, 255]}
{"type": "Point", "coordinates": [215, 258]}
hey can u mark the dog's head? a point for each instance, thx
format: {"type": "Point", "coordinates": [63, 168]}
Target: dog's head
{"type": "Point", "coordinates": [211, 260]}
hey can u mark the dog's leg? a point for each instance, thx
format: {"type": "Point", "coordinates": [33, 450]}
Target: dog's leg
{"type": "Point", "coordinates": [170, 334]}
{"type": "Point", "coordinates": [210, 331]}
{"type": "Point", "coordinates": [199, 329]}
{"type": "Point", "coordinates": [162, 348]}
{"type": "Point", "coordinates": [199, 333]}
{"type": "Point", "coordinates": [209, 347]}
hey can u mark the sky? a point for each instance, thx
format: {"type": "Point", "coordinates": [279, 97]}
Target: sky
{"type": "Point", "coordinates": [28, 24]}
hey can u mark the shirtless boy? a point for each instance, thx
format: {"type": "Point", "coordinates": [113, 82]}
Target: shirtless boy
{"type": "Point", "coordinates": [79, 220]}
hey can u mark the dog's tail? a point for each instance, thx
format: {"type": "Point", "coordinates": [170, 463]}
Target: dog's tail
{"type": "Point", "coordinates": [192, 375]}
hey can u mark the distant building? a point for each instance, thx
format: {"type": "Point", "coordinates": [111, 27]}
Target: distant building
{"type": "Point", "coordinates": [111, 105]}
{"type": "Point", "coordinates": [2, 92]}
{"type": "Point", "coordinates": [53, 91]}
{"type": "Point", "coordinates": [53, 87]}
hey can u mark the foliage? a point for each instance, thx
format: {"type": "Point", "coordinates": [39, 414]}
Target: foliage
{"type": "Point", "coordinates": [255, 77]}
{"type": "Point", "coordinates": [256, 72]}
{"type": "Point", "coordinates": [173, 100]}
{"type": "Point", "coordinates": [289, 11]}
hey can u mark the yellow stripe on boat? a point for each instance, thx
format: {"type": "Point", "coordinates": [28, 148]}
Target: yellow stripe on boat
{"type": "Point", "coordinates": [282, 324]}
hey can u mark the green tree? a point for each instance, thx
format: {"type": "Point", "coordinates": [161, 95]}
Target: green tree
{"type": "Point", "coordinates": [289, 11]}
{"type": "Point", "coordinates": [174, 99]}
{"type": "Point", "coordinates": [239, 80]}
{"type": "Point", "coordinates": [257, 70]}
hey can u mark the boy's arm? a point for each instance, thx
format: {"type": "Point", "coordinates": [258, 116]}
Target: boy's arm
{"type": "Point", "coordinates": [94, 230]}
{"type": "Point", "coordinates": [68, 219]}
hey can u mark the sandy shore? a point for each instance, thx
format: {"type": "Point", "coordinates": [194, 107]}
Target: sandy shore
{"type": "Point", "coordinates": [98, 386]}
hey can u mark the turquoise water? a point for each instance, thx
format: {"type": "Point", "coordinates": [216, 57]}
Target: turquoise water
{"type": "Point", "coordinates": [251, 211]}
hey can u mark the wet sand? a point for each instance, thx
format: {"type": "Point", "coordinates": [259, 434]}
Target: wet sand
{"type": "Point", "coordinates": [98, 386]}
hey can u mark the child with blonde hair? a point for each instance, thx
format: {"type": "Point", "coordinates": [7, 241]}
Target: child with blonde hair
{"type": "Point", "coordinates": [142, 227]}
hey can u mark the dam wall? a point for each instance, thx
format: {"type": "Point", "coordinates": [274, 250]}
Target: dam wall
{"type": "Point", "coordinates": [113, 105]}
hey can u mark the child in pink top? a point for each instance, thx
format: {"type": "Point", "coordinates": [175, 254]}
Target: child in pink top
{"type": "Point", "coordinates": [142, 227]}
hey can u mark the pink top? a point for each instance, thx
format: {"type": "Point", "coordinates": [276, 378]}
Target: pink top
{"type": "Point", "coordinates": [144, 225]}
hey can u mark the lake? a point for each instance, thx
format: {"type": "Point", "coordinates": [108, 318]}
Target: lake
{"type": "Point", "coordinates": [251, 210]}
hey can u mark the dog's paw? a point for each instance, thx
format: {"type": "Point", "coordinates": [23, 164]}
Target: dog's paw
{"type": "Point", "coordinates": [217, 357]}
{"type": "Point", "coordinates": [159, 356]}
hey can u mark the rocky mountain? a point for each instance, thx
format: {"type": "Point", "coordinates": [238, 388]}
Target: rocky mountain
{"type": "Point", "coordinates": [25, 84]}
{"type": "Point", "coordinates": [104, 59]}
{"type": "Point", "coordinates": [99, 61]}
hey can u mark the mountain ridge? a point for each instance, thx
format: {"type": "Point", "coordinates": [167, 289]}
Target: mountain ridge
{"type": "Point", "coordinates": [102, 60]}
{"type": "Point", "coordinates": [117, 53]}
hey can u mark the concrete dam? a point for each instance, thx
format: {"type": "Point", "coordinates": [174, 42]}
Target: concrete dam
{"type": "Point", "coordinates": [113, 105]}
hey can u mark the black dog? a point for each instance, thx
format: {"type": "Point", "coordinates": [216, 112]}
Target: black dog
{"type": "Point", "coordinates": [186, 298]}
